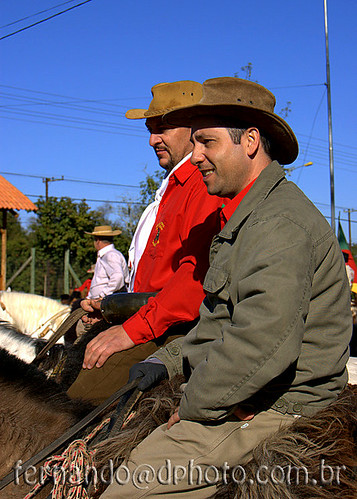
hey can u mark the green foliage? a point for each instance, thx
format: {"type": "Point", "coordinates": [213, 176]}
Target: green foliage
{"type": "Point", "coordinates": [149, 186]}
{"type": "Point", "coordinates": [130, 213]}
{"type": "Point", "coordinates": [18, 251]}
{"type": "Point", "coordinates": [60, 224]}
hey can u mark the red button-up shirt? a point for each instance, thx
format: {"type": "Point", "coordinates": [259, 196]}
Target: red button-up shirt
{"type": "Point", "coordinates": [232, 204]}
{"type": "Point", "coordinates": [175, 259]}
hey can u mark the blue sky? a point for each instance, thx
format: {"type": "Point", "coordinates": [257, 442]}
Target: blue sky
{"type": "Point", "coordinates": [67, 82]}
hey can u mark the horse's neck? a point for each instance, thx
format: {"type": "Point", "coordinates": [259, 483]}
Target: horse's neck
{"type": "Point", "coordinates": [29, 313]}
{"type": "Point", "coordinates": [18, 344]}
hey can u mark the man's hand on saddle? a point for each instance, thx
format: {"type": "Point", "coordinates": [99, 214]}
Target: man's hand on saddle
{"type": "Point", "coordinates": [110, 341]}
{"type": "Point", "coordinates": [93, 308]}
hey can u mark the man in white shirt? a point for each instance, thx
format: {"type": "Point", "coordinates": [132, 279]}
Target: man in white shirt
{"type": "Point", "coordinates": [111, 271]}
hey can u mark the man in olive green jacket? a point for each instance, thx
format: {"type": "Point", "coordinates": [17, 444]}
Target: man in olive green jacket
{"type": "Point", "coordinates": [272, 340]}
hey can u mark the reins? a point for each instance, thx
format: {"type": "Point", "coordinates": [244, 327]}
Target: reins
{"type": "Point", "coordinates": [69, 433]}
{"type": "Point", "coordinates": [48, 322]}
{"type": "Point", "coordinates": [61, 331]}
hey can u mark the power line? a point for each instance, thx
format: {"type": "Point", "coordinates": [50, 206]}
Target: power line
{"type": "Point", "coordinates": [92, 200]}
{"type": "Point", "coordinates": [75, 98]}
{"type": "Point", "coordinates": [35, 101]}
{"type": "Point", "coordinates": [310, 137]}
{"type": "Point", "coordinates": [36, 14]}
{"type": "Point", "coordinates": [43, 20]}
{"type": "Point", "coordinates": [299, 86]}
{"type": "Point", "coordinates": [109, 201]}
{"type": "Point", "coordinates": [72, 119]}
{"type": "Point", "coordinates": [73, 180]}
{"type": "Point", "coordinates": [75, 127]}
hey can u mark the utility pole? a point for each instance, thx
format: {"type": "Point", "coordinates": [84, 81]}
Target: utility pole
{"type": "Point", "coordinates": [46, 181]}
{"type": "Point", "coordinates": [332, 180]}
{"type": "Point", "coordinates": [349, 211]}
{"type": "Point", "coordinates": [289, 170]}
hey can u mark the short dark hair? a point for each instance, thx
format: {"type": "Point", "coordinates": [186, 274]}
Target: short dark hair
{"type": "Point", "coordinates": [236, 133]}
{"type": "Point", "coordinates": [105, 239]}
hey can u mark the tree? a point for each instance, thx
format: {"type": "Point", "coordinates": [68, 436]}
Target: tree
{"type": "Point", "coordinates": [130, 213]}
{"type": "Point", "coordinates": [18, 250]}
{"type": "Point", "coordinates": [247, 70]}
{"type": "Point", "coordinates": [247, 74]}
{"type": "Point", "coordinates": [60, 225]}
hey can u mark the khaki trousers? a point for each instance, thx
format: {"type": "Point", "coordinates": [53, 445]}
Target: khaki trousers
{"type": "Point", "coordinates": [97, 384]}
{"type": "Point", "coordinates": [185, 461]}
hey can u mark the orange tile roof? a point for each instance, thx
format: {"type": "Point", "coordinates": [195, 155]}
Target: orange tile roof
{"type": "Point", "coordinates": [12, 199]}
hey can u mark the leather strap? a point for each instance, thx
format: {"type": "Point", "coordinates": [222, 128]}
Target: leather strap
{"type": "Point", "coordinates": [69, 433]}
{"type": "Point", "coordinates": [61, 331]}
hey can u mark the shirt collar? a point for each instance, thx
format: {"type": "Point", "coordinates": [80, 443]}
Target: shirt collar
{"type": "Point", "coordinates": [105, 250]}
{"type": "Point", "coordinates": [228, 210]}
{"type": "Point", "coordinates": [183, 170]}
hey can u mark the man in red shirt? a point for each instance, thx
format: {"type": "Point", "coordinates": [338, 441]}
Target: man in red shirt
{"type": "Point", "coordinates": [169, 255]}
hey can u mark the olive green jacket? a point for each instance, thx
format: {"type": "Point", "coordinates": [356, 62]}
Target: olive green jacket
{"type": "Point", "coordinates": [275, 326]}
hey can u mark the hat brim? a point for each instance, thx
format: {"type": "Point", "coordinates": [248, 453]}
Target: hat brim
{"type": "Point", "coordinates": [284, 143]}
{"type": "Point", "coordinates": [135, 114]}
{"type": "Point", "coordinates": [103, 234]}
{"type": "Point", "coordinates": [138, 114]}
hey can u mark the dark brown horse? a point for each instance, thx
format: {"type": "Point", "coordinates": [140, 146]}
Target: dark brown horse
{"type": "Point", "coordinates": [313, 458]}
{"type": "Point", "coordinates": [34, 411]}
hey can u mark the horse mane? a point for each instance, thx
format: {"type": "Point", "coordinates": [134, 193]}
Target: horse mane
{"type": "Point", "coordinates": [28, 311]}
{"type": "Point", "coordinates": [19, 344]}
{"type": "Point", "coordinates": [330, 435]}
{"type": "Point", "coordinates": [313, 457]}
{"type": "Point", "coordinates": [34, 410]}
{"type": "Point", "coordinates": [153, 409]}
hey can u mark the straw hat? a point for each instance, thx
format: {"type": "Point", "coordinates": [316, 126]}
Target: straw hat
{"type": "Point", "coordinates": [241, 100]}
{"type": "Point", "coordinates": [168, 96]}
{"type": "Point", "coordinates": [104, 230]}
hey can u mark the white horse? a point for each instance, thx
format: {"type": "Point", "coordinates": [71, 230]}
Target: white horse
{"type": "Point", "coordinates": [34, 315]}
{"type": "Point", "coordinates": [26, 348]}
{"type": "Point", "coordinates": [352, 370]}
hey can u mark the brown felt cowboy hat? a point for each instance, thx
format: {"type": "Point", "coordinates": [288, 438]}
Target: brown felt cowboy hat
{"type": "Point", "coordinates": [168, 96]}
{"type": "Point", "coordinates": [242, 101]}
{"type": "Point", "coordinates": [104, 230]}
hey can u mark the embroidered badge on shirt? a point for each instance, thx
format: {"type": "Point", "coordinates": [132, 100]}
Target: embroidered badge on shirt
{"type": "Point", "coordinates": [159, 228]}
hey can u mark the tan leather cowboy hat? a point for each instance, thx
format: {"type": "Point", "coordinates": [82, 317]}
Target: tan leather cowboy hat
{"type": "Point", "coordinates": [168, 96]}
{"type": "Point", "coordinates": [241, 100]}
{"type": "Point", "coordinates": [104, 230]}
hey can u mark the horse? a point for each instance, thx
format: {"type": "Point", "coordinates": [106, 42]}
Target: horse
{"type": "Point", "coordinates": [310, 447]}
{"type": "Point", "coordinates": [34, 315]}
{"type": "Point", "coordinates": [34, 411]}
{"type": "Point", "coordinates": [26, 348]}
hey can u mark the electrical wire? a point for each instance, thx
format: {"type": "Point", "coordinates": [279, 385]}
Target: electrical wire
{"type": "Point", "coordinates": [74, 127]}
{"type": "Point", "coordinates": [309, 140]}
{"type": "Point", "coordinates": [103, 101]}
{"type": "Point", "coordinates": [82, 181]}
{"type": "Point", "coordinates": [91, 200]}
{"type": "Point", "coordinates": [36, 14]}
{"type": "Point", "coordinates": [43, 20]}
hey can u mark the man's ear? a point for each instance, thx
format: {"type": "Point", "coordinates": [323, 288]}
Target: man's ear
{"type": "Point", "coordinates": [252, 137]}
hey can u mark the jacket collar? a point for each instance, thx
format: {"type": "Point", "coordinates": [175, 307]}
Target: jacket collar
{"type": "Point", "coordinates": [271, 176]}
